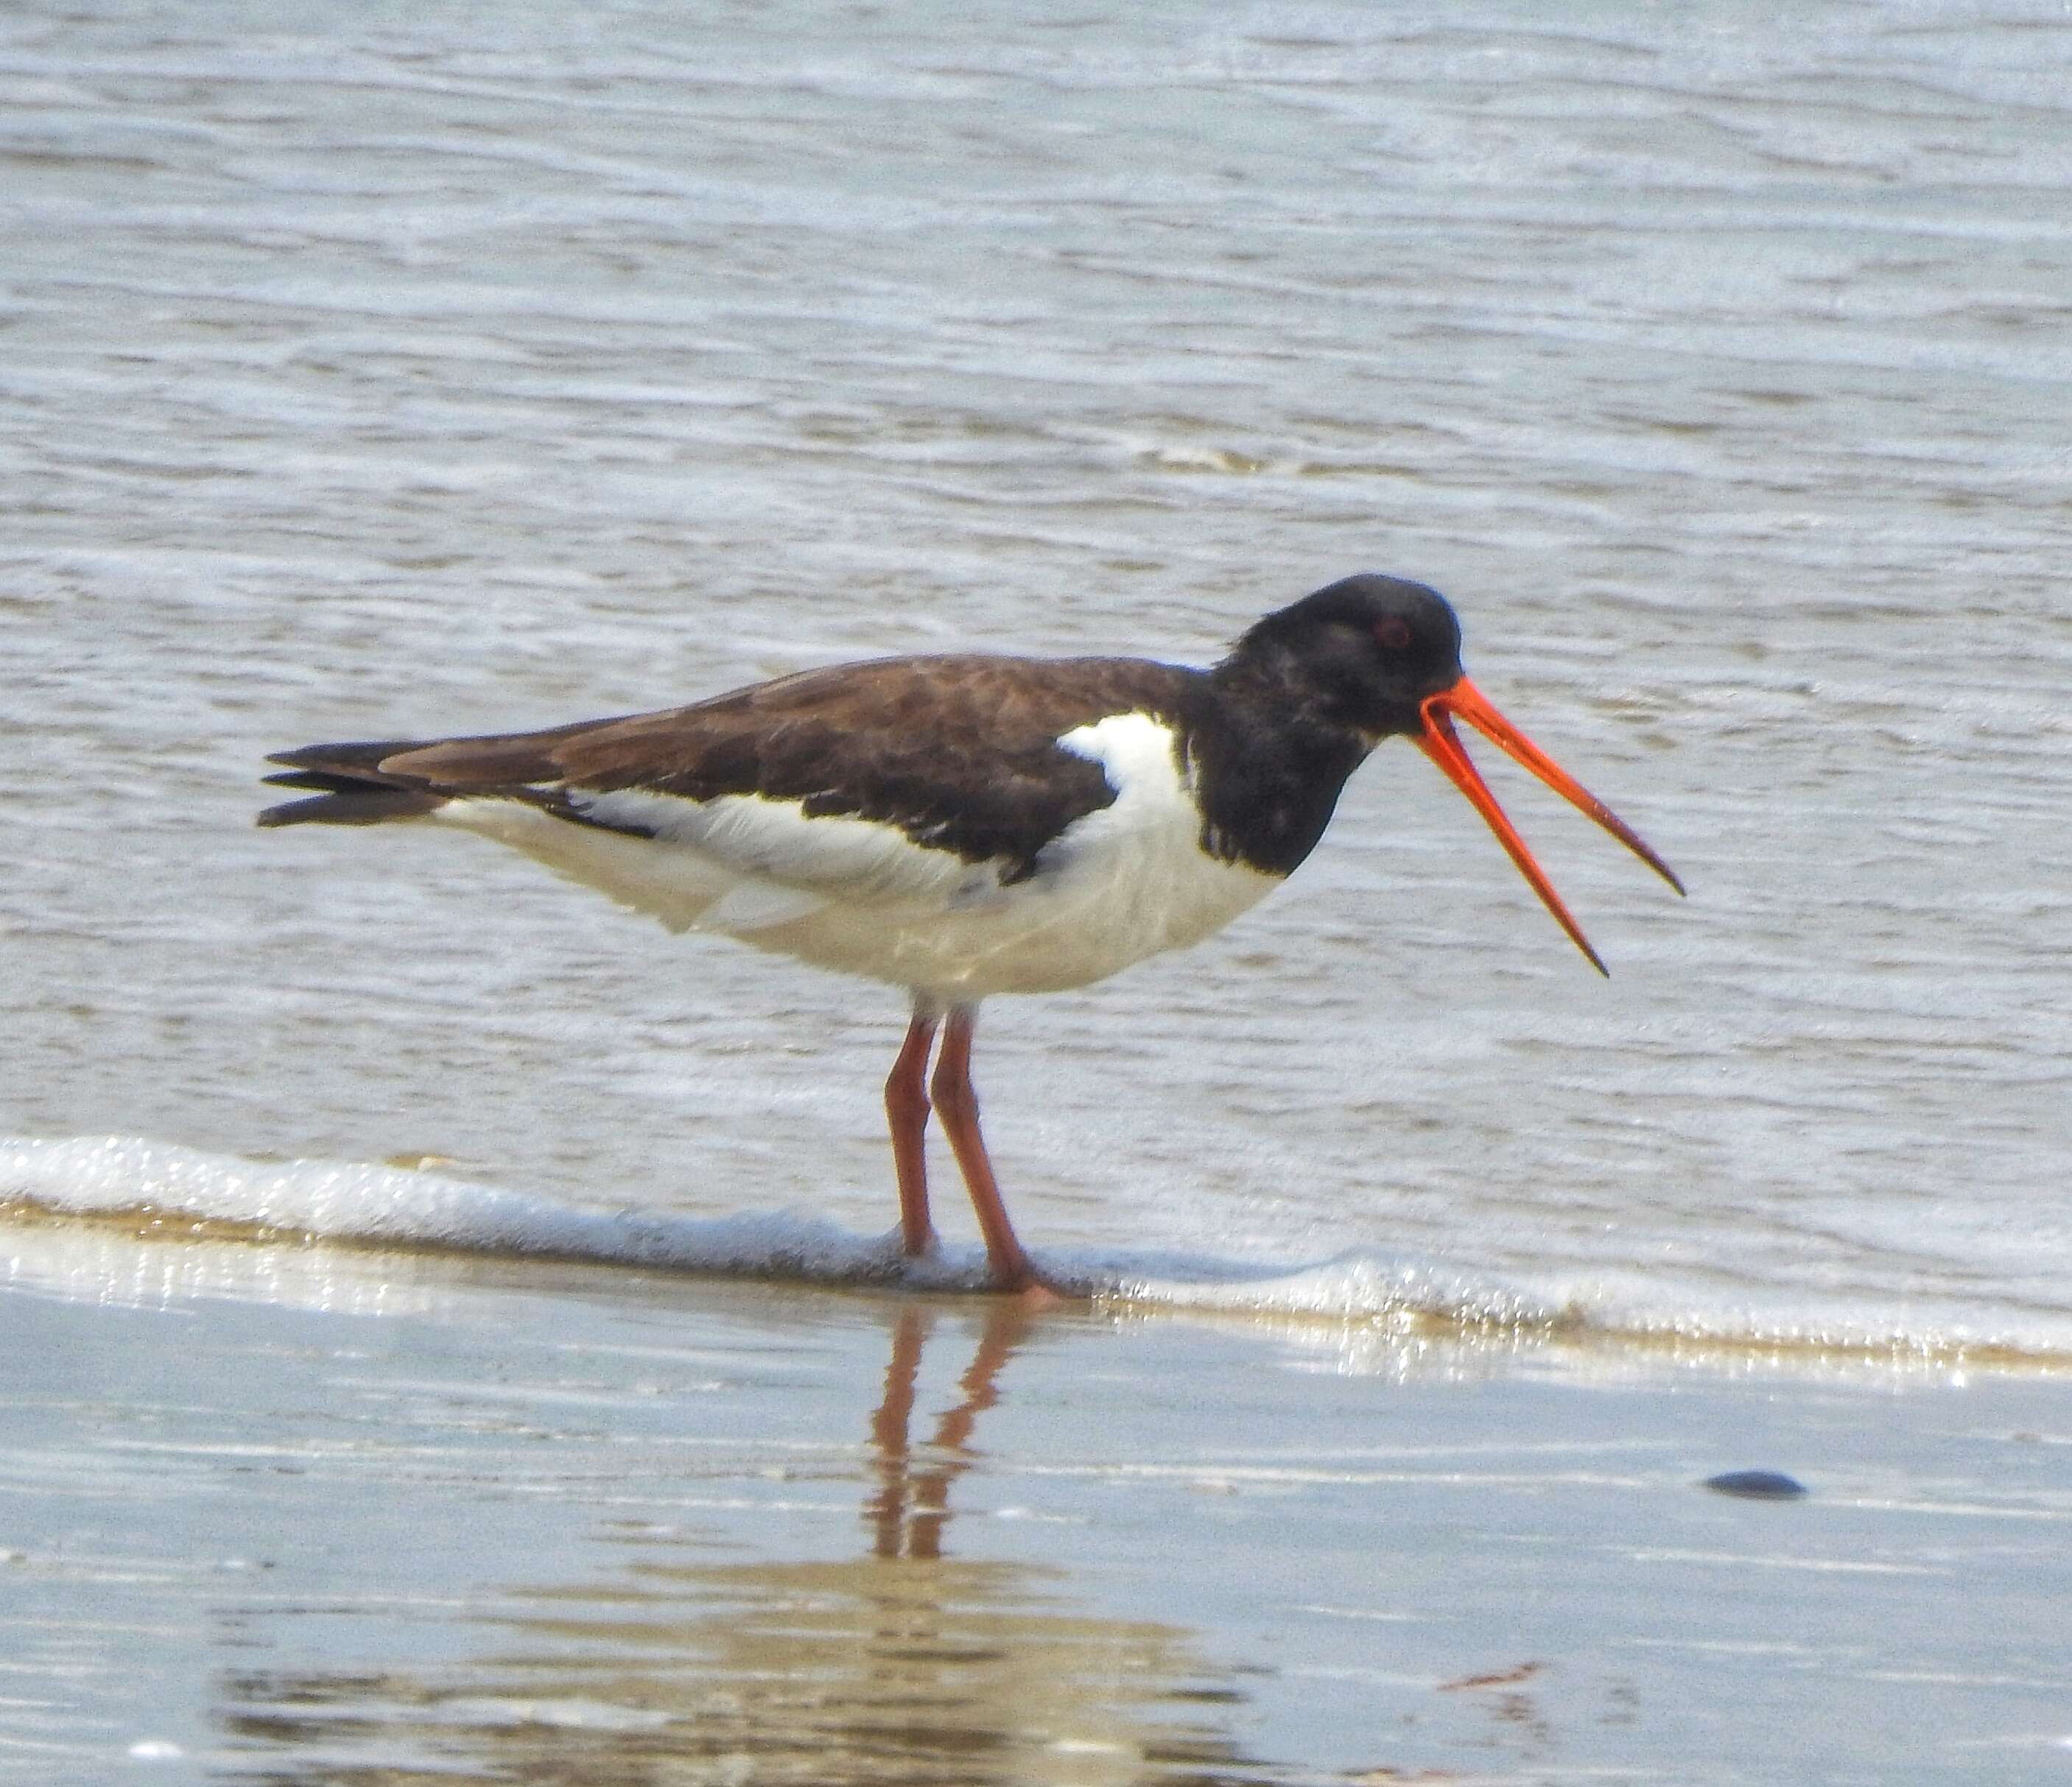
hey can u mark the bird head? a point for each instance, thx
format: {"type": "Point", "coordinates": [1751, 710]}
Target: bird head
{"type": "Point", "coordinates": [1382, 655]}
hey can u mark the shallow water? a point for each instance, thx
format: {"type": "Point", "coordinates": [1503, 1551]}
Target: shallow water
{"type": "Point", "coordinates": [411, 370]}
{"type": "Point", "coordinates": [307, 1515]}
{"type": "Point", "coordinates": [485, 367]}
{"type": "Point", "coordinates": [480, 370]}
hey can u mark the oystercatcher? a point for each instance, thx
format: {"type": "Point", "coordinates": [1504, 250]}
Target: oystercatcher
{"type": "Point", "coordinates": [960, 826]}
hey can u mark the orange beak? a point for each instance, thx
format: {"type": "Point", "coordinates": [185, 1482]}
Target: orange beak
{"type": "Point", "coordinates": [1440, 742]}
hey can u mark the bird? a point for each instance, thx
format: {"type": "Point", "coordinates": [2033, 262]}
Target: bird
{"type": "Point", "coordinates": [959, 826]}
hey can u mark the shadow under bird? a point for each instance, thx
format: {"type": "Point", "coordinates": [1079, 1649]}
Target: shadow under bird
{"type": "Point", "coordinates": [964, 825]}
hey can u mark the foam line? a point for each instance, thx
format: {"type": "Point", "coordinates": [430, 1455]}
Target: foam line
{"type": "Point", "coordinates": [366, 1206]}
{"type": "Point", "coordinates": [389, 1206]}
{"type": "Point", "coordinates": [181, 1193]}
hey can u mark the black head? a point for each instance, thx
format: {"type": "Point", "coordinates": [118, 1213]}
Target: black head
{"type": "Point", "coordinates": [1378, 655]}
{"type": "Point", "coordinates": [1368, 650]}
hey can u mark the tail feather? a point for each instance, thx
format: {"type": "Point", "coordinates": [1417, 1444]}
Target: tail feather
{"type": "Point", "coordinates": [351, 787]}
{"type": "Point", "coordinates": [361, 759]}
{"type": "Point", "coordinates": [368, 782]}
{"type": "Point", "coordinates": [368, 804]}
{"type": "Point", "coordinates": [330, 781]}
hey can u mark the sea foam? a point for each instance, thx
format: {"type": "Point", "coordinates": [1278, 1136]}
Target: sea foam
{"type": "Point", "coordinates": [181, 1193]}
{"type": "Point", "coordinates": [153, 1191]}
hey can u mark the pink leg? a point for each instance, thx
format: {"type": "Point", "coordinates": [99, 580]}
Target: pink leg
{"type": "Point", "coordinates": [957, 1103]}
{"type": "Point", "coordinates": [906, 1114]}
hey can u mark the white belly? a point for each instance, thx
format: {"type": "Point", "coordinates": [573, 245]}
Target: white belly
{"type": "Point", "coordinates": [1106, 909]}
{"type": "Point", "coordinates": [860, 898]}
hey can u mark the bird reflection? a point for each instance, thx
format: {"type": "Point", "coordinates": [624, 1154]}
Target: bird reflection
{"type": "Point", "coordinates": [912, 1508]}
{"type": "Point", "coordinates": [899, 1664]}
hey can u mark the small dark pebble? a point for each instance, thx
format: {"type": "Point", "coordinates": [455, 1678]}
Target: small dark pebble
{"type": "Point", "coordinates": [1758, 1485]}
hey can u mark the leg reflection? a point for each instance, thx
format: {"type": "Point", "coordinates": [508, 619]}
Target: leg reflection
{"type": "Point", "coordinates": [730, 1646]}
{"type": "Point", "coordinates": [912, 1508]}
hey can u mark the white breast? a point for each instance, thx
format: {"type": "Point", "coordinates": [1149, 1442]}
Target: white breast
{"type": "Point", "coordinates": [861, 897]}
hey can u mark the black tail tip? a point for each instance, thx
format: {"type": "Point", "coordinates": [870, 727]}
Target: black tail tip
{"type": "Point", "coordinates": [359, 806]}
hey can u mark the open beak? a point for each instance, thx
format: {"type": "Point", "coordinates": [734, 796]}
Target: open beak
{"type": "Point", "coordinates": [1440, 742]}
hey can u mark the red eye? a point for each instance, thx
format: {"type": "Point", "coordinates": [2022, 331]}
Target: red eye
{"type": "Point", "coordinates": [1392, 635]}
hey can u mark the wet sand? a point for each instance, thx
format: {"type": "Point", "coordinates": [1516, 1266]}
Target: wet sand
{"type": "Point", "coordinates": [309, 1513]}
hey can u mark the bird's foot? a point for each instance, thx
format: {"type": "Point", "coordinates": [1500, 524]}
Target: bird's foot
{"type": "Point", "coordinates": [1019, 1278]}
{"type": "Point", "coordinates": [1038, 1298]}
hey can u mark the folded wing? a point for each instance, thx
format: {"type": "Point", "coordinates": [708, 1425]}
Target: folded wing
{"type": "Point", "coordinates": [904, 778]}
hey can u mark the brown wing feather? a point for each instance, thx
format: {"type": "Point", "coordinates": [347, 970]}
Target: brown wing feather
{"type": "Point", "coordinates": [960, 753]}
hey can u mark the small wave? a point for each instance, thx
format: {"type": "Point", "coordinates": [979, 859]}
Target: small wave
{"type": "Point", "coordinates": [1229, 461]}
{"type": "Point", "coordinates": [178, 1193]}
{"type": "Point", "coordinates": [162, 1191]}
{"type": "Point", "coordinates": [156, 1190]}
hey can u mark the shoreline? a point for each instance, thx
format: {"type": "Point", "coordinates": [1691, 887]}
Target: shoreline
{"type": "Point", "coordinates": [427, 1513]}
{"type": "Point", "coordinates": [1406, 1303]}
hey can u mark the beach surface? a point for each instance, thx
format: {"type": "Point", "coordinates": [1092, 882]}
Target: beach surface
{"type": "Point", "coordinates": [305, 1514]}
